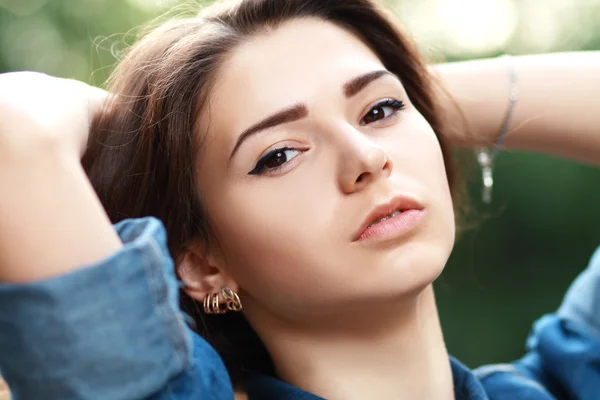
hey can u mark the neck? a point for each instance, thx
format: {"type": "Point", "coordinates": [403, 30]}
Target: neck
{"type": "Point", "coordinates": [400, 354]}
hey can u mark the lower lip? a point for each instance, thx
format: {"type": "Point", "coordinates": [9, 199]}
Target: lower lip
{"type": "Point", "coordinates": [393, 227]}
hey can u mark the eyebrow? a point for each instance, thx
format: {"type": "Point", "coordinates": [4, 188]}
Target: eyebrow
{"type": "Point", "coordinates": [354, 86]}
{"type": "Point", "coordinates": [286, 116]}
{"type": "Point", "coordinates": [299, 111]}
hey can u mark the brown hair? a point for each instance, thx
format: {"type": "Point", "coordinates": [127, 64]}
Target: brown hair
{"type": "Point", "coordinates": [143, 147]}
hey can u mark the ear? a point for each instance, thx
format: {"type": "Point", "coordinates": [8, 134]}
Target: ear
{"type": "Point", "coordinates": [203, 274]}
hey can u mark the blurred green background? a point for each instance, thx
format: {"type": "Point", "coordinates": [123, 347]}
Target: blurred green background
{"type": "Point", "coordinates": [528, 245]}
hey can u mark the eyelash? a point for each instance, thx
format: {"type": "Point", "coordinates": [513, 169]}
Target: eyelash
{"type": "Point", "coordinates": [260, 167]}
{"type": "Point", "coordinates": [397, 105]}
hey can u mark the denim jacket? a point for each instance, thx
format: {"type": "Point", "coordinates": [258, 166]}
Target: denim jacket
{"type": "Point", "coordinates": [114, 331]}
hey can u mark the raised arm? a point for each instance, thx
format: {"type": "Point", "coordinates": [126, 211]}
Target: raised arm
{"type": "Point", "coordinates": [557, 111]}
{"type": "Point", "coordinates": [87, 310]}
{"type": "Point", "coordinates": [48, 209]}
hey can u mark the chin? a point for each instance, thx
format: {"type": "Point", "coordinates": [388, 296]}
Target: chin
{"type": "Point", "coordinates": [409, 268]}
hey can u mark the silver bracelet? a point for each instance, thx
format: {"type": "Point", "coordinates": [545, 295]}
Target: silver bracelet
{"type": "Point", "coordinates": [486, 156]}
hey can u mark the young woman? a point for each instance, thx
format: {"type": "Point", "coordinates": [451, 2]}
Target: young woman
{"type": "Point", "coordinates": [297, 156]}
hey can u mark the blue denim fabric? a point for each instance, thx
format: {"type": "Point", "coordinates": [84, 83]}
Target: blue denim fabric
{"type": "Point", "coordinates": [563, 350]}
{"type": "Point", "coordinates": [109, 331]}
{"type": "Point", "coordinates": [114, 331]}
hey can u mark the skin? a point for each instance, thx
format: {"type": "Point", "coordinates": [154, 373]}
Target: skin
{"type": "Point", "coordinates": [556, 112]}
{"type": "Point", "coordinates": [342, 319]}
{"type": "Point", "coordinates": [43, 127]}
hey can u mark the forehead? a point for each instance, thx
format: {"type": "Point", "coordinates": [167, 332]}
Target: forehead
{"type": "Point", "coordinates": [296, 62]}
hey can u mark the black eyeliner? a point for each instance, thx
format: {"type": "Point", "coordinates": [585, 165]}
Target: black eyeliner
{"type": "Point", "coordinates": [263, 160]}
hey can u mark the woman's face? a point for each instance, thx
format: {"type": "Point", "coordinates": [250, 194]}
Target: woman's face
{"type": "Point", "coordinates": [288, 194]}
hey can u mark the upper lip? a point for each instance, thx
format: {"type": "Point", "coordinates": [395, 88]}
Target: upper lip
{"type": "Point", "coordinates": [398, 203]}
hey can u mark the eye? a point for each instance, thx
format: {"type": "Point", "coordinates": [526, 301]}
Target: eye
{"type": "Point", "coordinates": [382, 110]}
{"type": "Point", "coordinates": [274, 160]}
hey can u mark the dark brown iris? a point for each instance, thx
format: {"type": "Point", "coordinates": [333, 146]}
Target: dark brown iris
{"type": "Point", "coordinates": [375, 114]}
{"type": "Point", "coordinates": [276, 160]}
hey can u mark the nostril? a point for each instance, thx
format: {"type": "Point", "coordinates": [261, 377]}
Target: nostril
{"type": "Point", "coordinates": [388, 165]}
{"type": "Point", "coordinates": [361, 177]}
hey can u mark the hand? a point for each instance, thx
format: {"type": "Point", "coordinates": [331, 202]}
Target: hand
{"type": "Point", "coordinates": [51, 221]}
{"type": "Point", "coordinates": [42, 113]}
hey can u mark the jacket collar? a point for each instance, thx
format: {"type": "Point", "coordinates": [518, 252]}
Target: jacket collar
{"type": "Point", "coordinates": [466, 387]}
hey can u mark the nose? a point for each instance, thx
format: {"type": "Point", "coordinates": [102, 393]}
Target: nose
{"type": "Point", "coordinates": [363, 161]}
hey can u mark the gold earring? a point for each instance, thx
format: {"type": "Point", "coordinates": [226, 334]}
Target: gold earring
{"type": "Point", "coordinates": [212, 301]}
{"type": "Point", "coordinates": [207, 304]}
{"type": "Point", "coordinates": [212, 304]}
{"type": "Point", "coordinates": [231, 298]}
{"type": "Point", "coordinates": [217, 307]}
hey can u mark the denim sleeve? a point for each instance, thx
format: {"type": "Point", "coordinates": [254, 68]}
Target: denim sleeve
{"type": "Point", "coordinates": [112, 330]}
{"type": "Point", "coordinates": [564, 347]}
{"type": "Point", "coordinates": [582, 301]}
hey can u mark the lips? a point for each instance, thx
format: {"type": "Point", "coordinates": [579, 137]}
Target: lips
{"type": "Point", "coordinates": [387, 210]}
{"type": "Point", "coordinates": [392, 215]}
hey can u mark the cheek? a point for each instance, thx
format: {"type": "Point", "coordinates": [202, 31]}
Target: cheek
{"type": "Point", "coordinates": [440, 196]}
{"type": "Point", "coordinates": [417, 154]}
{"type": "Point", "coordinates": [272, 241]}
{"type": "Point", "coordinates": [420, 158]}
